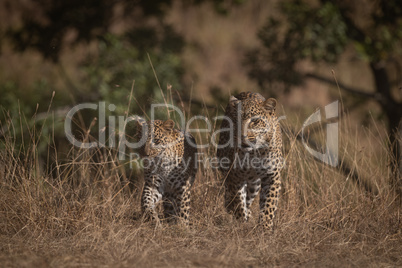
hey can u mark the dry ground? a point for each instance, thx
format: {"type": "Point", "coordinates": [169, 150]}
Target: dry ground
{"type": "Point", "coordinates": [87, 216]}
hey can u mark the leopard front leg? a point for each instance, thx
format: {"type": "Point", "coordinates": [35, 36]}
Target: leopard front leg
{"type": "Point", "coordinates": [185, 203]}
{"type": "Point", "coordinates": [235, 200]}
{"type": "Point", "coordinates": [269, 196]}
{"type": "Point", "coordinates": [151, 195]}
{"type": "Point", "coordinates": [177, 203]}
{"type": "Point", "coordinates": [253, 188]}
{"type": "Point", "coordinates": [169, 206]}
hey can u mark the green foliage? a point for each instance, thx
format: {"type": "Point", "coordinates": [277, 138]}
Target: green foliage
{"type": "Point", "coordinates": [44, 25]}
{"type": "Point", "coordinates": [89, 19]}
{"type": "Point", "coordinates": [111, 74]}
{"type": "Point", "coordinates": [320, 32]}
{"type": "Point", "coordinates": [317, 33]}
{"type": "Point", "coordinates": [24, 117]}
{"type": "Point", "coordinates": [313, 25]}
{"type": "Point", "coordinates": [381, 44]}
{"type": "Point", "coordinates": [108, 77]}
{"type": "Point", "coordinates": [382, 39]}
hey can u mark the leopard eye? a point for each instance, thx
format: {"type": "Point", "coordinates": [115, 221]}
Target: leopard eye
{"type": "Point", "coordinates": [255, 121]}
{"type": "Point", "coordinates": [156, 141]}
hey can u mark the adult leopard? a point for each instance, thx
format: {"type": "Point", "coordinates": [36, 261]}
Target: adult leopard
{"type": "Point", "coordinates": [251, 142]}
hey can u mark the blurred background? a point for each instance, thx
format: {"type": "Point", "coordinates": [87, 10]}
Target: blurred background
{"type": "Point", "coordinates": [306, 54]}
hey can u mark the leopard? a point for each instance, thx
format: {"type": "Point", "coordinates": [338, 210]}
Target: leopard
{"type": "Point", "coordinates": [250, 142]}
{"type": "Point", "coordinates": [170, 166]}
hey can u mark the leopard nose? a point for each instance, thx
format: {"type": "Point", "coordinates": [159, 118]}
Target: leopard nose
{"type": "Point", "coordinates": [246, 141]}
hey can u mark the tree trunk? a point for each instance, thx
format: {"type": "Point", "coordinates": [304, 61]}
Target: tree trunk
{"type": "Point", "coordinates": [393, 110]}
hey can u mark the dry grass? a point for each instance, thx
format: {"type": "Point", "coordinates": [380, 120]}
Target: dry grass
{"type": "Point", "coordinates": [85, 215]}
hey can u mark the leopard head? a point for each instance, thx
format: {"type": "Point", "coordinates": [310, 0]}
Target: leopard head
{"type": "Point", "coordinates": [256, 116]}
{"type": "Point", "coordinates": [157, 136]}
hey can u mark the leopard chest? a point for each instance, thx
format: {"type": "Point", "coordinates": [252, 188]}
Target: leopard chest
{"type": "Point", "coordinates": [256, 162]}
{"type": "Point", "coordinates": [165, 163]}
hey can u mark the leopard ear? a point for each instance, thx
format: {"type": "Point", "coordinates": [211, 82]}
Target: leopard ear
{"type": "Point", "coordinates": [270, 105]}
{"type": "Point", "coordinates": [168, 124]}
{"type": "Point", "coordinates": [233, 100]}
{"type": "Point", "coordinates": [139, 123]}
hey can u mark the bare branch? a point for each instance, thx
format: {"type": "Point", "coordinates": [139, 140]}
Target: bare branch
{"type": "Point", "coordinates": [344, 168]}
{"type": "Point", "coordinates": [57, 113]}
{"type": "Point", "coordinates": [344, 87]}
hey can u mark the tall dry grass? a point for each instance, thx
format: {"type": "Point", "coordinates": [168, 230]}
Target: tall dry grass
{"type": "Point", "coordinates": [85, 212]}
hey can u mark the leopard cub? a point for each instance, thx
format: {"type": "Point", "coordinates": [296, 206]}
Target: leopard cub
{"type": "Point", "coordinates": [170, 167]}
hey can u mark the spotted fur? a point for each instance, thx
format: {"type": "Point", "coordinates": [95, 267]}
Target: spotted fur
{"type": "Point", "coordinates": [255, 156]}
{"type": "Point", "coordinates": [169, 159]}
